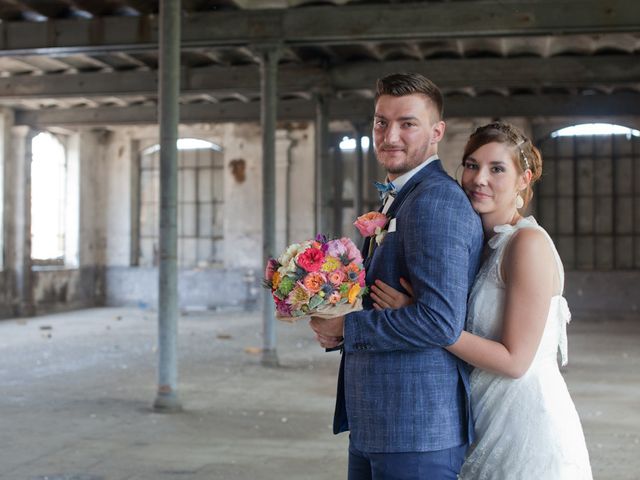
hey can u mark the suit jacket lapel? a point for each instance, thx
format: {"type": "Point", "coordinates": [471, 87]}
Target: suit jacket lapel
{"type": "Point", "coordinates": [419, 177]}
{"type": "Point", "coordinates": [368, 245]}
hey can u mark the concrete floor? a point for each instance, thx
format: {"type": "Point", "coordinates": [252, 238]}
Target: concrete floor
{"type": "Point", "coordinates": [77, 390]}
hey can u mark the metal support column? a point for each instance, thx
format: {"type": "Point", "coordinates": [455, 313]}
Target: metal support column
{"type": "Point", "coordinates": [321, 157]}
{"type": "Point", "coordinates": [338, 186]}
{"type": "Point", "coordinates": [18, 246]}
{"type": "Point", "coordinates": [358, 174]}
{"type": "Point", "coordinates": [268, 115]}
{"type": "Point", "coordinates": [373, 202]}
{"type": "Point", "coordinates": [169, 89]}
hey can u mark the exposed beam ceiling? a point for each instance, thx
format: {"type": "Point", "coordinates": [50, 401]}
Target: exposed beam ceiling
{"type": "Point", "coordinates": [486, 73]}
{"type": "Point", "coordinates": [354, 109]}
{"type": "Point", "coordinates": [326, 25]}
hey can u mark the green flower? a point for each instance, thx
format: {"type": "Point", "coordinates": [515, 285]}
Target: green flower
{"type": "Point", "coordinates": [286, 285]}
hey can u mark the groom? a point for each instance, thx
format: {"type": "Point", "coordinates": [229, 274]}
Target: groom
{"type": "Point", "coordinates": [402, 396]}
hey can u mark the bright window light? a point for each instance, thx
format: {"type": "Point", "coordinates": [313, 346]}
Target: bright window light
{"type": "Point", "coordinates": [195, 144]}
{"type": "Point", "coordinates": [185, 144]}
{"type": "Point", "coordinates": [588, 129]}
{"type": "Point", "coordinates": [349, 144]}
{"type": "Point", "coordinates": [48, 197]}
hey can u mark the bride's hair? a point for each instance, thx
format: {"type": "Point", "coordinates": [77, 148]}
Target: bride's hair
{"type": "Point", "coordinates": [524, 155]}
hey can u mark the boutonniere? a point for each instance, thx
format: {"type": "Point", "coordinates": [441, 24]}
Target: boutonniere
{"type": "Point", "coordinates": [372, 224]}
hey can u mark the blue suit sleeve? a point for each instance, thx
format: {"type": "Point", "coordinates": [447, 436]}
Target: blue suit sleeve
{"type": "Point", "coordinates": [440, 239]}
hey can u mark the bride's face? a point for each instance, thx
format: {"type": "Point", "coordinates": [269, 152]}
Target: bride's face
{"type": "Point", "coordinates": [491, 180]}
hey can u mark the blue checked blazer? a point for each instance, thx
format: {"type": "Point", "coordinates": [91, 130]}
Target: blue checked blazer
{"type": "Point", "coordinates": [399, 390]}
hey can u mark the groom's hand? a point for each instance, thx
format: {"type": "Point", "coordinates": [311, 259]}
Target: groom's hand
{"type": "Point", "coordinates": [329, 331]}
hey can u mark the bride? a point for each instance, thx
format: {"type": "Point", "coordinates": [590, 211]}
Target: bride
{"type": "Point", "coordinates": [526, 424]}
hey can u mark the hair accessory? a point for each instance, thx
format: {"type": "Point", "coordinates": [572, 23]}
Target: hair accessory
{"type": "Point", "coordinates": [524, 157]}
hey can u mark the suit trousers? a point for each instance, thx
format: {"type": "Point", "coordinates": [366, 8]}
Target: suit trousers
{"type": "Point", "coordinates": [437, 465]}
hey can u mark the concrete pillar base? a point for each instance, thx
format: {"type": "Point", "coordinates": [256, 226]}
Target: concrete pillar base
{"type": "Point", "coordinates": [167, 403]}
{"type": "Point", "coordinates": [270, 358]}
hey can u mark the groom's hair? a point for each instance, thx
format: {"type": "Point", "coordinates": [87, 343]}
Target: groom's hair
{"type": "Point", "coordinates": [401, 84]}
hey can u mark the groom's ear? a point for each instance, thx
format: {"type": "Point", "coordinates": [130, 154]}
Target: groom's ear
{"type": "Point", "coordinates": [438, 129]}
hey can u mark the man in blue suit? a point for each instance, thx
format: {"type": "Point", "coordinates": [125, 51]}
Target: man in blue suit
{"type": "Point", "coordinates": [402, 396]}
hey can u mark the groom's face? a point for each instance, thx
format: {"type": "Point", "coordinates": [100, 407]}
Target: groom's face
{"type": "Point", "coordinates": [406, 131]}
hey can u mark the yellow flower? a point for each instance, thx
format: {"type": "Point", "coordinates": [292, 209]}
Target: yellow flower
{"type": "Point", "coordinates": [330, 264]}
{"type": "Point", "coordinates": [353, 293]}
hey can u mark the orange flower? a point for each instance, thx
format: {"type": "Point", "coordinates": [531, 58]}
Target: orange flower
{"type": "Point", "coordinates": [275, 280]}
{"type": "Point", "coordinates": [353, 293]}
{"type": "Point", "coordinates": [313, 282]}
{"type": "Point", "coordinates": [352, 267]}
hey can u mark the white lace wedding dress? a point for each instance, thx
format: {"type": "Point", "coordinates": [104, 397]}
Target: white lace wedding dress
{"type": "Point", "coordinates": [526, 428]}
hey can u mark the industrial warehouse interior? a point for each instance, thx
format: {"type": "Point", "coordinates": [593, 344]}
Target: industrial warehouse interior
{"type": "Point", "coordinates": [118, 364]}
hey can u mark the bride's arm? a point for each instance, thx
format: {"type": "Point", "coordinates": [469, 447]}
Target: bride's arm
{"type": "Point", "coordinates": [529, 273]}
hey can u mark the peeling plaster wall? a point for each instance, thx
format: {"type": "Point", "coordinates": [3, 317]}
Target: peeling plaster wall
{"type": "Point", "coordinates": [57, 289]}
{"type": "Point", "coordinates": [236, 283]}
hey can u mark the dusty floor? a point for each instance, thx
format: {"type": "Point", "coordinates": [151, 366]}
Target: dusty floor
{"type": "Point", "coordinates": [77, 390]}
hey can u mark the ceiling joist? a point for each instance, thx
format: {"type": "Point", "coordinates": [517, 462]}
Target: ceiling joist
{"type": "Point", "coordinates": [479, 74]}
{"type": "Point", "coordinates": [326, 25]}
{"type": "Point", "coordinates": [358, 110]}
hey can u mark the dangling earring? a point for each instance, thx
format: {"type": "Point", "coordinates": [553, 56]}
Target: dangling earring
{"type": "Point", "coordinates": [519, 202]}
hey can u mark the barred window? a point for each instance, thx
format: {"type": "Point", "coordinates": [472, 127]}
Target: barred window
{"type": "Point", "coordinates": [589, 196]}
{"type": "Point", "coordinates": [200, 204]}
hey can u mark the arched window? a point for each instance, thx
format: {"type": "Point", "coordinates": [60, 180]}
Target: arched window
{"type": "Point", "coordinates": [589, 196]}
{"type": "Point", "coordinates": [52, 216]}
{"type": "Point", "coordinates": [200, 204]}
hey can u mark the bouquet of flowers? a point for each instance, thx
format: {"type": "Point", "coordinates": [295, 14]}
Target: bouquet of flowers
{"type": "Point", "coordinates": [323, 278]}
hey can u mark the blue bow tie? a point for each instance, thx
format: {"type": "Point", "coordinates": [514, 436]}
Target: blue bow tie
{"type": "Point", "coordinates": [385, 189]}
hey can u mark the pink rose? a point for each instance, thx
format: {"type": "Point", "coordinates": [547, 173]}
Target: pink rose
{"type": "Point", "coordinates": [361, 278]}
{"type": "Point", "coordinates": [367, 223]}
{"type": "Point", "coordinates": [337, 277]}
{"type": "Point", "coordinates": [353, 252]}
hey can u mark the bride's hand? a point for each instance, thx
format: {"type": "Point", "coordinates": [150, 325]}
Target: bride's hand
{"type": "Point", "coordinates": [385, 296]}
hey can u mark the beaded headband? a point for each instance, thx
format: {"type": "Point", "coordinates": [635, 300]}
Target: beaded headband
{"type": "Point", "coordinates": [524, 157]}
{"type": "Point", "coordinates": [517, 140]}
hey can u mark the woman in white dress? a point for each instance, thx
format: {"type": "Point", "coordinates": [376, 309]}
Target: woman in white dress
{"type": "Point", "coordinates": [526, 424]}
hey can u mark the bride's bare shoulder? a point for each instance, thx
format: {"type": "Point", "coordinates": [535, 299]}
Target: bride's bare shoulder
{"type": "Point", "coordinates": [529, 250]}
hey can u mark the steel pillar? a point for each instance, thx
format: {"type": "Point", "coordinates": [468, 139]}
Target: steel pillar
{"type": "Point", "coordinates": [169, 89]}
